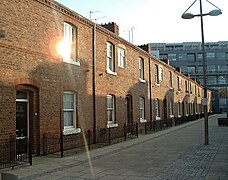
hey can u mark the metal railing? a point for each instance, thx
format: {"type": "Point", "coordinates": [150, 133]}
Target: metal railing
{"type": "Point", "coordinates": [61, 145]}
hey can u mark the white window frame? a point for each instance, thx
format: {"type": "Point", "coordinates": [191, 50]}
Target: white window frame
{"type": "Point", "coordinates": [179, 83]}
{"type": "Point", "coordinates": [186, 108]}
{"type": "Point", "coordinates": [157, 75]}
{"type": "Point", "coordinates": [171, 108]}
{"type": "Point", "coordinates": [170, 80]}
{"type": "Point", "coordinates": [70, 42]}
{"type": "Point", "coordinates": [157, 109]}
{"type": "Point", "coordinates": [160, 74]}
{"type": "Point", "coordinates": [71, 129]}
{"type": "Point", "coordinates": [179, 109]}
{"type": "Point", "coordinates": [141, 69]}
{"type": "Point", "coordinates": [121, 58]}
{"type": "Point", "coordinates": [111, 107]}
{"type": "Point", "coordinates": [186, 87]}
{"type": "Point", "coordinates": [110, 63]}
{"type": "Point", "coordinates": [142, 109]}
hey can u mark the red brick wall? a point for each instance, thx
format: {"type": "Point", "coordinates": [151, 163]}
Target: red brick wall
{"type": "Point", "coordinates": [28, 57]}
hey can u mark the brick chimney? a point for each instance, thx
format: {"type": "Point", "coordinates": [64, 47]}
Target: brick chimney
{"type": "Point", "coordinates": [146, 47]}
{"type": "Point", "coordinates": [111, 27]}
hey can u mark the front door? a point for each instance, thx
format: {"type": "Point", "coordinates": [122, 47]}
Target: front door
{"type": "Point", "coordinates": [165, 109]}
{"type": "Point", "coordinates": [129, 116]}
{"type": "Point", "coordinates": [21, 122]}
{"type": "Point", "coordinates": [129, 109]}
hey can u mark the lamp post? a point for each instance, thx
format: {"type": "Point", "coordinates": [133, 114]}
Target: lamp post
{"type": "Point", "coordinates": [186, 15]}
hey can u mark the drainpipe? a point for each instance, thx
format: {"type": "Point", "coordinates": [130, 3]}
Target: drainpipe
{"type": "Point", "coordinates": [94, 83]}
{"type": "Point", "coordinates": [150, 88]}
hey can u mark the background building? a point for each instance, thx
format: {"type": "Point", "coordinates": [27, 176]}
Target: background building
{"type": "Point", "coordinates": [188, 56]}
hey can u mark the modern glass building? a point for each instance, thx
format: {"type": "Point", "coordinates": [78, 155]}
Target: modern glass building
{"type": "Point", "coordinates": [188, 56]}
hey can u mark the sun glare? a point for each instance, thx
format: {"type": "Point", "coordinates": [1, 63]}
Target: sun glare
{"type": "Point", "coordinates": [63, 49]}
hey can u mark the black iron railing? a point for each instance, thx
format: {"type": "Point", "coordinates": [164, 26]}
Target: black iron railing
{"type": "Point", "coordinates": [59, 144]}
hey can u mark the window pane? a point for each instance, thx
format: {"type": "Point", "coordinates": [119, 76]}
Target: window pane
{"type": "Point", "coordinates": [222, 80]}
{"type": "Point", "coordinates": [200, 57]}
{"type": "Point", "coordinates": [163, 56]}
{"type": "Point", "coordinates": [142, 110]}
{"type": "Point", "coordinates": [121, 57]}
{"type": "Point", "coordinates": [110, 117]}
{"type": "Point", "coordinates": [191, 69]}
{"type": "Point", "coordinates": [110, 108]}
{"type": "Point", "coordinates": [211, 80]}
{"type": "Point", "coordinates": [221, 55]}
{"type": "Point", "coordinates": [210, 56]}
{"type": "Point", "coordinates": [170, 79]}
{"type": "Point", "coordinates": [110, 61]}
{"type": "Point", "coordinates": [70, 40]}
{"type": "Point", "coordinates": [68, 118]}
{"type": "Point", "coordinates": [172, 57]}
{"type": "Point", "coordinates": [68, 101]}
{"type": "Point", "coordinates": [69, 109]}
{"type": "Point", "coordinates": [211, 68]}
{"type": "Point", "coordinates": [182, 57]}
{"type": "Point", "coordinates": [21, 95]}
{"type": "Point", "coordinates": [160, 74]}
{"type": "Point", "coordinates": [141, 68]}
{"type": "Point", "coordinates": [156, 74]}
{"type": "Point", "coordinates": [191, 57]}
{"type": "Point", "coordinates": [109, 102]}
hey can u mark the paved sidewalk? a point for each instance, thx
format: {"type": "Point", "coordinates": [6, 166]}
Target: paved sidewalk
{"type": "Point", "coordinates": [176, 153]}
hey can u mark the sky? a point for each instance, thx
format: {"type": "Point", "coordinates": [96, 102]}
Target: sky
{"type": "Point", "coordinates": [156, 21]}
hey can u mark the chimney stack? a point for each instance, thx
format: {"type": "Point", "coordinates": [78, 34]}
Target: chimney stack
{"type": "Point", "coordinates": [112, 27]}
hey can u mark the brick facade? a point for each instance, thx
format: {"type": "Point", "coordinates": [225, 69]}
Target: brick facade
{"type": "Point", "coordinates": [29, 61]}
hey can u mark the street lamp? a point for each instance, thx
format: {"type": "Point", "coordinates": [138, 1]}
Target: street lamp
{"type": "Point", "coordinates": [186, 15]}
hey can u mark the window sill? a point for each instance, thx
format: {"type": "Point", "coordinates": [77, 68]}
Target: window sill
{"type": "Point", "coordinates": [70, 61]}
{"type": "Point", "coordinates": [156, 84]}
{"type": "Point", "coordinates": [142, 80]}
{"type": "Point", "coordinates": [170, 88]}
{"type": "Point", "coordinates": [110, 124]}
{"type": "Point", "coordinates": [143, 120]}
{"type": "Point", "coordinates": [68, 131]}
{"type": "Point", "coordinates": [171, 116]}
{"type": "Point", "coordinates": [108, 71]}
{"type": "Point", "coordinates": [121, 67]}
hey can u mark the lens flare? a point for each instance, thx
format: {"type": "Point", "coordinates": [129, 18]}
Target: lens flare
{"type": "Point", "coordinates": [63, 48]}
